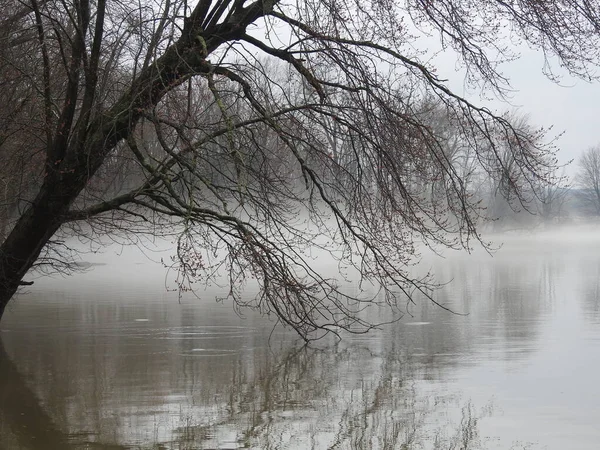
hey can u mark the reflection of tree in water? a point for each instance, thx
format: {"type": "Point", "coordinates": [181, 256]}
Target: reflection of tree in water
{"type": "Point", "coordinates": [127, 381]}
{"type": "Point", "coordinates": [589, 283]}
{"type": "Point", "coordinates": [24, 422]}
{"type": "Point", "coordinates": [338, 397]}
{"type": "Point", "coordinates": [505, 298]}
{"type": "Point", "coordinates": [146, 385]}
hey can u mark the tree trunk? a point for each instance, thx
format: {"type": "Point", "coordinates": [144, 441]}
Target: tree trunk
{"type": "Point", "coordinates": [32, 232]}
{"type": "Point", "coordinates": [44, 217]}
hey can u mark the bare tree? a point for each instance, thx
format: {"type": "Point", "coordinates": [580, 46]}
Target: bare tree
{"type": "Point", "coordinates": [551, 199]}
{"type": "Point", "coordinates": [588, 179]}
{"type": "Point", "coordinates": [237, 115]}
{"type": "Point", "coordinates": [507, 210]}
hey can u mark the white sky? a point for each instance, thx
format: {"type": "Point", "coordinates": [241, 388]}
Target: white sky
{"type": "Point", "coordinates": [572, 107]}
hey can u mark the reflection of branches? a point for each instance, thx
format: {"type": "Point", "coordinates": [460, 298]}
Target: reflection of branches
{"type": "Point", "coordinates": [376, 387]}
{"type": "Point", "coordinates": [590, 283]}
{"type": "Point", "coordinates": [305, 395]}
{"type": "Point", "coordinates": [466, 436]}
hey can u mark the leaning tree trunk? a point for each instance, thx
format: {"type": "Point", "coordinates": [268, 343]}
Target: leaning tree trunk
{"type": "Point", "coordinates": [67, 176]}
{"type": "Point", "coordinates": [33, 230]}
{"type": "Point", "coordinates": [69, 173]}
{"type": "Point", "coordinates": [76, 156]}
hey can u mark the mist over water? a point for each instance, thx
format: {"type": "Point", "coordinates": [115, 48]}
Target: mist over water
{"type": "Point", "coordinates": [109, 359]}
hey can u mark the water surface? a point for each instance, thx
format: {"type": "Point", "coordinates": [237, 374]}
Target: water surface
{"type": "Point", "coordinates": [109, 360]}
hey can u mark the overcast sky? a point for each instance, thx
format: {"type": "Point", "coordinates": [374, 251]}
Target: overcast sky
{"type": "Point", "coordinates": [572, 107]}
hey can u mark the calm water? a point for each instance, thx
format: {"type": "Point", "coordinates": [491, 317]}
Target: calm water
{"type": "Point", "coordinates": [107, 360]}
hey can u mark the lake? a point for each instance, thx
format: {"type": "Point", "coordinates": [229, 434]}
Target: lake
{"type": "Point", "coordinates": [108, 360]}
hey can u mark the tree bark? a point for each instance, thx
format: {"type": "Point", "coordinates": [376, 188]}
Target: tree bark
{"type": "Point", "coordinates": [32, 232]}
{"type": "Point", "coordinates": [82, 152]}
{"type": "Point", "coordinates": [66, 180]}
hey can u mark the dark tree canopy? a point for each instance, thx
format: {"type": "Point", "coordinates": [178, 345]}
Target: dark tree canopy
{"type": "Point", "coordinates": [257, 130]}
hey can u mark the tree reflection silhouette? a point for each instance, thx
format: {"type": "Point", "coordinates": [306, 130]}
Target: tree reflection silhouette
{"type": "Point", "coordinates": [21, 414]}
{"type": "Point", "coordinates": [302, 400]}
{"type": "Point", "coordinates": [350, 396]}
{"type": "Point", "coordinates": [23, 420]}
